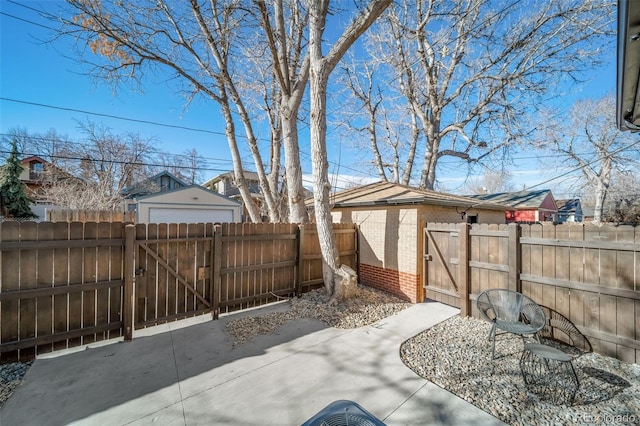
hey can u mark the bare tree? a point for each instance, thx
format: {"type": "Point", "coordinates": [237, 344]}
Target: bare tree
{"type": "Point", "coordinates": [195, 43]}
{"type": "Point", "coordinates": [622, 204]}
{"type": "Point", "coordinates": [492, 181]}
{"type": "Point", "coordinates": [321, 67]}
{"type": "Point", "coordinates": [186, 166]}
{"type": "Point", "coordinates": [472, 71]}
{"type": "Point", "coordinates": [589, 141]}
{"type": "Point", "coordinates": [391, 137]}
{"type": "Point", "coordinates": [50, 146]}
{"type": "Point", "coordinates": [290, 70]}
{"type": "Point", "coordinates": [205, 47]}
{"type": "Point", "coordinates": [113, 161]}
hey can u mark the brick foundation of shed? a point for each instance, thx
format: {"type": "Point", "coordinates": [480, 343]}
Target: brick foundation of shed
{"type": "Point", "coordinates": [401, 284]}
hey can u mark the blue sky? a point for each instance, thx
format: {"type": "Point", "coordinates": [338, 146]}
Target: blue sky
{"type": "Point", "coordinates": [41, 73]}
{"type": "Point", "coordinates": [36, 72]}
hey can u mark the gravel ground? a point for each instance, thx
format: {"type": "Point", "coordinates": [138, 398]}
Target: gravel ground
{"type": "Point", "coordinates": [11, 375]}
{"type": "Point", "coordinates": [455, 355]}
{"type": "Point", "coordinates": [370, 306]}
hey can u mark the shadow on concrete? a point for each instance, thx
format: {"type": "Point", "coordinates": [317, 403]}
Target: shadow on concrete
{"type": "Point", "coordinates": [67, 388]}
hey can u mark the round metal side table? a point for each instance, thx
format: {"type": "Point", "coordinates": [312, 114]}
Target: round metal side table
{"type": "Point", "coordinates": [548, 372]}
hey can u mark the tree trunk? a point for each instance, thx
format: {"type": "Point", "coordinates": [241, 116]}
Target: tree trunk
{"type": "Point", "coordinates": [295, 190]}
{"type": "Point", "coordinates": [250, 205]}
{"type": "Point", "coordinates": [320, 69]}
{"type": "Point", "coordinates": [602, 187]}
{"type": "Point", "coordinates": [321, 185]}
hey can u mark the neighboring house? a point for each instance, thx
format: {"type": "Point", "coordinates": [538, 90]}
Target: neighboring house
{"type": "Point", "coordinates": [225, 184]}
{"type": "Point", "coordinates": [34, 177]}
{"type": "Point", "coordinates": [163, 181]}
{"type": "Point", "coordinates": [37, 174]}
{"type": "Point", "coordinates": [526, 206]}
{"type": "Point", "coordinates": [569, 210]}
{"type": "Point", "coordinates": [189, 204]}
{"type": "Point", "coordinates": [391, 219]}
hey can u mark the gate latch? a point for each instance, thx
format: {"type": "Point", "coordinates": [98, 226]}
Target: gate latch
{"type": "Point", "coordinates": [428, 257]}
{"type": "Point", "coordinates": [139, 271]}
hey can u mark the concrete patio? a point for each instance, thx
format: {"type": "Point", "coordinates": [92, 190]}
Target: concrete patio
{"type": "Point", "coordinates": [190, 373]}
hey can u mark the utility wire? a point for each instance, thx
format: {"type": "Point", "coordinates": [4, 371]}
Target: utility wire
{"type": "Point", "coordinates": [25, 20]}
{"type": "Point", "coordinates": [221, 133]}
{"type": "Point", "coordinates": [116, 117]}
{"type": "Point", "coordinates": [132, 163]}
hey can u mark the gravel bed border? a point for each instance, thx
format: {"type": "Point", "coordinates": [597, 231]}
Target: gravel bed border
{"type": "Point", "coordinates": [456, 355]}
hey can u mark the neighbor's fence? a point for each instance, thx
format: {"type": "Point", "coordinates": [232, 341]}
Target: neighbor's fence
{"type": "Point", "coordinates": [68, 284]}
{"type": "Point", "coordinates": [587, 273]}
{"type": "Point", "coordinates": [90, 216]}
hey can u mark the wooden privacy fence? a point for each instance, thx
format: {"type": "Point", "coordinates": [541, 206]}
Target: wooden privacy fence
{"type": "Point", "coordinates": [589, 274]}
{"type": "Point", "coordinates": [57, 215]}
{"type": "Point", "coordinates": [69, 284]}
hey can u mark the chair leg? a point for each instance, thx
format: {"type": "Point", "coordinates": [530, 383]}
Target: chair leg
{"type": "Point", "coordinates": [492, 337]}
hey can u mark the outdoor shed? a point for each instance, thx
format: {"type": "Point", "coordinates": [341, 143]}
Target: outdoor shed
{"type": "Point", "coordinates": [190, 204]}
{"type": "Point", "coordinates": [391, 218]}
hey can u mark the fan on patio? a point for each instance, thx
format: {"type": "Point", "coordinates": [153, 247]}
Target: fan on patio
{"type": "Point", "coordinates": [343, 413]}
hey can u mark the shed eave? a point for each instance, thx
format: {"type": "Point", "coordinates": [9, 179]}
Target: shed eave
{"type": "Point", "coordinates": [419, 201]}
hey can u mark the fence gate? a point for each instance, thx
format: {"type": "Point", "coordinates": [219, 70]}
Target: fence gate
{"type": "Point", "coordinates": [440, 263]}
{"type": "Point", "coordinates": [173, 269]}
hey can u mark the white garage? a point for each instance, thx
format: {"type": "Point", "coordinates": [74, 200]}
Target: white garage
{"type": "Point", "coordinates": [191, 204]}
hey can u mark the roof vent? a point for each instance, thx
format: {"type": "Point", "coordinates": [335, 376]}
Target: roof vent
{"type": "Point", "coordinates": [343, 413]}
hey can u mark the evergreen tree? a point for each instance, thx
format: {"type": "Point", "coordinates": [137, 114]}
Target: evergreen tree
{"type": "Point", "coordinates": [15, 202]}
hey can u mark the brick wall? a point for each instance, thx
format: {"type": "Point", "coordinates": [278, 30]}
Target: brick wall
{"type": "Point", "coordinates": [405, 286]}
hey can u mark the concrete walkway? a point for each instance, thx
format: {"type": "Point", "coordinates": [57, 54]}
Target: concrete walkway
{"type": "Point", "coordinates": [192, 375]}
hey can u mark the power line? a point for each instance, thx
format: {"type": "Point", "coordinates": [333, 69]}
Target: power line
{"type": "Point", "coordinates": [116, 117]}
{"type": "Point", "coordinates": [153, 123]}
{"type": "Point", "coordinates": [96, 160]}
{"type": "Point", "coordinates": [582, 166]}
{"type": "Point", "coordinates": [64, 140]}
{"type": "Point", "coordinates": [25, 20]}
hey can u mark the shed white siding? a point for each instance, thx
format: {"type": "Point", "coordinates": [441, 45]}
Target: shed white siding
{"type": "Point", "coordinates": [192, 204]}
{"type": "Point", "coordinates": [189, 215]}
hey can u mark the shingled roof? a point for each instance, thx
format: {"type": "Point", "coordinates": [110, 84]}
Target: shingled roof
{"type": "Point", "coordinates": [393, 194]}
{"type": "Point", "coordinates": [517, 200]}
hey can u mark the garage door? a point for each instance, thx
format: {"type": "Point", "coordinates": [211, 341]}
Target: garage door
{"type": "Point", "coordinates": [165, 215]}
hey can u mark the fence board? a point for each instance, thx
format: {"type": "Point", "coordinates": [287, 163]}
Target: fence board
{"type": "Point", "coordinates": [172, 261]}
{"type": "Point", "coordinates": [88, 297]}
{"type": "Point", "coordinates": [588, 274]}
{"type": "Point", "coordinates": [12, 322]}
{"type": "Point", "coordinates": [60, 279]}
{"type": "Point", "coordinates": [76, 273]}
{"type": "Point", "coordinates": [68, 288]}
{"type": "Point", "coordinates": [90, 216]}
{"type": "Point", "coordinates": [103, 265]}
{"type": "Point", "coordinates": [116, 273]}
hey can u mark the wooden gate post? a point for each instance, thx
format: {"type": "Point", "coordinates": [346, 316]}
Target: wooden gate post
{"type": "Point", "coordinates": [463, 270]}
{"type": "Point", "coordinates": [515, 258]}
{"type": "Point", "coordinates": [129, 279]}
